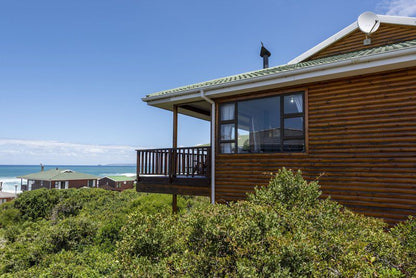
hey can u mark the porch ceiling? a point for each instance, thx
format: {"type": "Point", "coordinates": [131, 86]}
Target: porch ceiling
{"type": "Point", "coordinates": [197, 109]}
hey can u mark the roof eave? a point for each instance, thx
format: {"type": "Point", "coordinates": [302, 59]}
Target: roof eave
{"type": "Point", "coordinates": [57, 178]}
{"type": "Point", "coordinates": [361, 65]}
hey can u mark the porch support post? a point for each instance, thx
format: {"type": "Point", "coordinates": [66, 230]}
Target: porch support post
{"type": "Point", "coordinates": [175, 126]}
{"type": "Point", "coordinates": [137, 167]}
{"type": "Point", "coordinates": [213, 145]}
{"type": "Point", "coordinates": [174, 203]}
{"type": "Point", "coordinates": [174, 146]}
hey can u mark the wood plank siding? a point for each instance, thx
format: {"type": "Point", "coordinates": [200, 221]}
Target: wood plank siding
{"type": "Point", "coordinates": [109, 184]}
{"type": "Point", "coordinates": [78, 183]}
{"type": "Point", "coordinates": [386, 34]}
{"type": "Point", "coordinates": [361, 134]}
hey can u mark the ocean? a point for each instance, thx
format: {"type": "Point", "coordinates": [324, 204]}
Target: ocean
{"type": "Point", "coordinates": [9, 173]}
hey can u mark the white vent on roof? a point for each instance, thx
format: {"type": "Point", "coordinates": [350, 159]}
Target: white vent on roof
{"type": "Point", "coordinates": [67, 171]}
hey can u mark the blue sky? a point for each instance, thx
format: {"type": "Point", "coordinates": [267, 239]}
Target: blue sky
{"type": "Point", "coordinates": [72, 72]}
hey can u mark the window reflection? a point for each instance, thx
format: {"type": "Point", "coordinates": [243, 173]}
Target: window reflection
{"type": "Point", "coordinates": [293, 127]}
{"type": "Point", "coordinates": [259, 125]}
{"type": "Point", "coordinates": [294, 145]}
{"type": "Point", "coordinates": [293, 103]}
{"type": "Point", "coordinates": [227, 132]}
{"type": "Point", "coordinates": [270, 124]}
{"type": "Point", "coordinates": [227, 147]}
{"type": "Point", "coordinates": [227, 111]}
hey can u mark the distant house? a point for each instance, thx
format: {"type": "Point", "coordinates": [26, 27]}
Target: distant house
{"type": "Point", "coordinates": [59, 179]}
{"type": "Point", "coordinates": [6, 197]}
{"type": "Point", "coordinates": [118, 183]}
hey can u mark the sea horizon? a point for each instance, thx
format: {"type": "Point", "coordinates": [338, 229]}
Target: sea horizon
{"type": "Point", "coordinates": [10, 172]}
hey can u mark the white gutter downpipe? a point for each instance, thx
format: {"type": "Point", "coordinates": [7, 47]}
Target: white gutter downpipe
{"type": "Point", "coordinates": [203, 96]}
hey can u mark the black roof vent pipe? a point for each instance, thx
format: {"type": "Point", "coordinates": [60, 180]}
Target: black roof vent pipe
{"type": "Point", "coordinates": [265, 54]}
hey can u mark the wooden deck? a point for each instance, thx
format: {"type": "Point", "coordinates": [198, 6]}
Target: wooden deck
{"type": "Point", "coordinates": [184, 171]}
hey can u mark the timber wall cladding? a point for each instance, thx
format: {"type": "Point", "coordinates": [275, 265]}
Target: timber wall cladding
{"type": "Point", "coordinates": [78, 183]}
{"type": "Point", "coordinates": [362, 137]}
{"type": "Point", "coordinates": [386, 34]}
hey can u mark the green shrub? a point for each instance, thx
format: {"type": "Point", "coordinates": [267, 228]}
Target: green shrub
{"type": "Point", "coordinates": [26, 248]}
{"type": "Point", "coordinates": [89, 264]}
{"type": "Point", "coordinates": [9, 216]}
{"type": "Point", "coordinates": [282, 230]}
{"type": "Point", "coordinates": [37, 203]}
{"type": "Point", "coordinates": [154, 203]}
{"type": "Point", "coordinates": [11, 233]}
{"type": "Point", "coordinates": [153, 236]}
{"type": "Point", "coordinates": [71, 234]}
{"type": "Point", "coordinates": [287, 189]}
{"type": "Point", "coordinates": [405, 233]}
{"type": "Point", "coordinates": [109, 233]}
{"type": "Point", "coordinates": [41, 224]}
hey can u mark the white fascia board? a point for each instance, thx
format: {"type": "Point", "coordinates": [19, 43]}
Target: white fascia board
{"type": "Point", "coordinates": [357, 66]}
{"type": "Point", "coordinates": [400, 20]}
{"type": "Point", "coordinates": [344, 32]}
{"type": "Point", "coordinates": [180, 98]}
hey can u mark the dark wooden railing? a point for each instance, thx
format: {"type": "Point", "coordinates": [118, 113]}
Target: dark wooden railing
{"type": "Point", "coordinates": [175, 162]}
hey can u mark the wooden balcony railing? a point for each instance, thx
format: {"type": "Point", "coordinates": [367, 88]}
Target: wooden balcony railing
{"type": "Point", "coordinates": [174, 162]}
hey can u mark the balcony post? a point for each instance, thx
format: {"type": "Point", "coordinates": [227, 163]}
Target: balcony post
{"type": "Point", "coordinates": [175, 126]}
{"type": "Point", "coordinates": [138, 166]}
{"type": "Point", "coordinates": [173, 159]}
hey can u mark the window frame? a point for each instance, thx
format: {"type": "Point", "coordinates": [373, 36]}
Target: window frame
{"type": "Point", "coordinates": [283, 117]}
{"type": "Point", "coordinates": [224, 122]}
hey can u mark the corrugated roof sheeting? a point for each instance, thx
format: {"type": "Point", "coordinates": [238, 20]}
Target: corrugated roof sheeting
{"type": "Point", "coordinates": [58, 175]}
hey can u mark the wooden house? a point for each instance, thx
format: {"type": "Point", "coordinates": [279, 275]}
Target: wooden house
{"type": "Point", "coordinates": [58, 179]}
{"type": "Point", "coordinates": [6, 197]}
{"type": "Point", "coordinates": [118, 183]}
{"type": "Point", "coordinates": [345, 109]}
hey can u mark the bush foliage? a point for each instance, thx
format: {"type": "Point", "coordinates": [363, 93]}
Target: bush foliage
{"type": "Point", "coordinates": [282, 230]}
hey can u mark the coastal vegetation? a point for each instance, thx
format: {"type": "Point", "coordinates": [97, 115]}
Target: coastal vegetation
{"type": "Point", "coordinates": [282, 230]}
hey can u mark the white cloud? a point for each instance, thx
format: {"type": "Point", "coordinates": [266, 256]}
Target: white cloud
{"type": "Point", "coordinates": [398, 7]}
{"type": "Point", "coordinates": [13, 151]}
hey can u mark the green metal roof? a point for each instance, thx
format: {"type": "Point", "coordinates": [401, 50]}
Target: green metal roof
{"type": "Point", "coordinates": [121, 178]}
{"type": "Point", "coordinates": [288, 68]}
{"type": "Point", "coordinates": [58, 175]}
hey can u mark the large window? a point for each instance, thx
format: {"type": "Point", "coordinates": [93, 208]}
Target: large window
{"type": "Point", "coordinates": [263, 125]}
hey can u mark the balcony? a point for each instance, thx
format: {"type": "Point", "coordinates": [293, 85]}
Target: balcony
{"type": "Point", "coordinates": [184, 171]}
